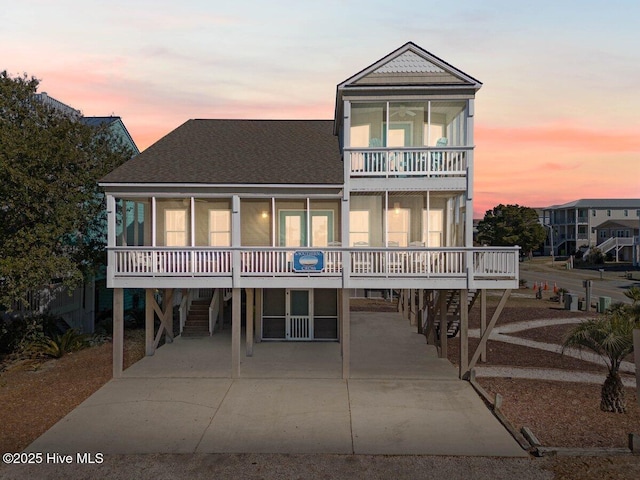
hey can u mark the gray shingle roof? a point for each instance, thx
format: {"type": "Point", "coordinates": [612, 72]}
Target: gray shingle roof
{"type": "Point", "coordinates": [599, 203]}
{"type": "Point", "coordinates": [239, 152]}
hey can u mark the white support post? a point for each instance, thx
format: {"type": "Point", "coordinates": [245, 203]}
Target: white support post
{"type": "Point", "coordinates": [443, 324]}
{"type": "Point", "coordinates": [420, 311]}
{"type": "Point", "coordinates": [236, 313]}
{"type": "Point", "coordinates": [154, 222]}
{"type": "Point", "coordinates": [235, 239]}
{"type": "Point", "coordinates": [636, 349]}
{"type": "Point", "coordinates": [149, 321]}
{"type": "Point", "coordinates": [483, 323]}
{"type": "Point", "coordinates": [249, 321]}
{"type": "Point", "coordinates": [259, 313]}
{"type": "Point", "coordinates": [118, 332]}
{"type": "Point", "coordinates": [464, 332]}
{"type": "Point", "coordinates": [405, 305]}
{"type": "Point", "coordinates": [111, 238]}
{"type": "Point", "coordinates": [345, 336]}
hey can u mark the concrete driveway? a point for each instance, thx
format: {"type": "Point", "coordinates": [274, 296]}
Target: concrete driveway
{"type": "Point", "coordinates": [400, 399]}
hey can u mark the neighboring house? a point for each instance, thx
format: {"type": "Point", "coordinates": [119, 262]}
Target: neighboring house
{"type": "Point", "coordinates": [617, 237]}
{"type": "Point", "coordinates": [78, 308]}
{"type": "Point", "coordinates": [574, 223]}
{"type": "Point", "coordinates": [291, 215]}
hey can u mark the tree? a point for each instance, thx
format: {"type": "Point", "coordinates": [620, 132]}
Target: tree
{"type": "Point", "coordinates": [510, 225]}
{"type": "Point", "coordinates": [51, 209]}
{"type": "Point", "coordinates": [611, 337]}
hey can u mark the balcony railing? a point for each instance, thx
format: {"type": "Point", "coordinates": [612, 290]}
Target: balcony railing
{"type": "Point", "coordinates": [449, 262]}
{"type": "Point", "coordinates": [384, 162]}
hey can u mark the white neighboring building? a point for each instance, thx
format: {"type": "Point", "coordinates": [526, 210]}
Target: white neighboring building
{"type": "Point", "coordinates": [574, 224]}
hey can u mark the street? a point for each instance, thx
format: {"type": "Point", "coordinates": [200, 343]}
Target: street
{"type": "Point", "coordinates": [612, 284]}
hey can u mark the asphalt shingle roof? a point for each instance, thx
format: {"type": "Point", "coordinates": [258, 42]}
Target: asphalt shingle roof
{"type": "Point", "coordinates": [239, 152]}
{"type": "Point", "coordinates": [600, 203]}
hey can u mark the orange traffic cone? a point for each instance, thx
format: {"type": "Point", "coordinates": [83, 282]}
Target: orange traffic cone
{"type": "Point", "coordinates": [535, 286]}
{"type": "Point", "coordinates": [546, 285]}
{"type": "Point", "coordinates": [555, 287]}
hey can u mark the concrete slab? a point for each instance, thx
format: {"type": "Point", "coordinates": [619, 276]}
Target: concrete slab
{"type": "Point", "coordinates": [290, 398]}
{"type": "Point", "coordinates": [410, 417]}
{"type": "Point", "coordinates": [384, 345]}
{"type": "Point", "coordinates": [187, 357]}
{"type": "Point", "coordinates": [281, 416]}
{"type": "Point", "coordinates": [138, 416]}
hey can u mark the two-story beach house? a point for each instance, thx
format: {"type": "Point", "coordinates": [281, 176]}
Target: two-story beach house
{"type": "Point", "coordinates": [288, 216]}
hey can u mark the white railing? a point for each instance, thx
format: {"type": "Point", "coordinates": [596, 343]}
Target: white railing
{"type": "Point", "coordinates": [439, 161]}
{"type": "Point", "coordinates": [481, 263]}
{"type": "Point", "coordinates": [159, 261]}
{"type": "Point", "coordinates": [183, 310]}
{"type": "Point", "coordinates": [402, 263]}
{"type": "Point", "coordinates": [214, 310]}
{"type": "Point", "coordinates": [615, 242]}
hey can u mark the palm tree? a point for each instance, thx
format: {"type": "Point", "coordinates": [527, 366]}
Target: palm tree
{"type": "Point", "coordinates": [611, 337]}
{"type": "Point", "coordinates": [633, 293]}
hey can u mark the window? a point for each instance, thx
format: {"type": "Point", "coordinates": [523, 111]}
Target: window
{"type": "Point", "coordinates": [360, 135]}
{"type": "Point", "coordinates": [432, 227]}
{"type": "Point", "coordinates": [603, 234]}
{"type": "Point", "coordinates": [626, 213]}
{"type": "Point", "coordinates": [398, 226]}
{"type": "Point", "coordinates": [319, 230]}
{"type": "Point", "coordinates": [175, 227]}
{"type": "Point", "coordinates": [593, 212]}
{"type": "Point", "coordinates": [219, 228]}
{"type": "Point", "coordinates": [359, 227]}
{"type": "Point", "coordinates": [608, 213]}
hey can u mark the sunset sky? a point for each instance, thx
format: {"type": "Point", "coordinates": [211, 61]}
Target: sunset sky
{"type": "Point", "coordinates": [558, 117]}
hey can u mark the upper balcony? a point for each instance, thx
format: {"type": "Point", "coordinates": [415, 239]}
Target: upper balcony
{"type": "Point", "coordinates": [407, 162]}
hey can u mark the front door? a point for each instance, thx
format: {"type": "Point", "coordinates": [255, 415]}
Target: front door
{"type": "Point", "coordinates": [299, 319]}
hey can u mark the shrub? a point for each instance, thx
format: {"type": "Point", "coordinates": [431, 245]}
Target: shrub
{"type": "Point", "coordinates": [59, 345]}
{"type": "Point", "coordinates": [17, 333]}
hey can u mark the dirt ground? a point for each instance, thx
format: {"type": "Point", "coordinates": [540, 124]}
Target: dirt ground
{"type": "Point", "coordinates": [33, 397]}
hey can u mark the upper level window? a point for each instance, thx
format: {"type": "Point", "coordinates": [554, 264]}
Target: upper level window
{"type": "Point", "coordinates": [175, 227]}
{"type": "Point", "coordinates": [408, 124]}
{"type": "Point", "coordinates": [398, 226]}
{"type": "Point", "coordinates": [626, 213]}
{"type": "Point", "coordinates": [359, 227]}
{"type": "Point", "coordinates": [608, 213]}
{"type": "Point", "coordinates": [219, 228]}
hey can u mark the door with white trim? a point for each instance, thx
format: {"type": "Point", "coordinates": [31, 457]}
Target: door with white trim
{"type": "Point", "coordinates": [299, 314]}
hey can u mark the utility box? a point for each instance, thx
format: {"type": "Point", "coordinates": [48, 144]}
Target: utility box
{"type": "Point", "coordinates": [604, 303]}
{"type": "Point", "coordinates": [571, 302]}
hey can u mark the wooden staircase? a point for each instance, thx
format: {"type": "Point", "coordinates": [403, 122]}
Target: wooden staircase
{"type": "Point", "coordinates": [453, 312]}
{"type": "Point", "coordinates": [197, 324]}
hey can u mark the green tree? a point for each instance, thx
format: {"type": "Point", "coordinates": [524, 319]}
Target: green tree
{"type": "Point", "coordinates": [510, 225]}
{"type": "Point", "coordinates": [611, 337]}
{"type": "Point", "coordinates": [51, 209]}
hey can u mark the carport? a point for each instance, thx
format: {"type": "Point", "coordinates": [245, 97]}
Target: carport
{"type": "Point", "coordinates": [291, 398]}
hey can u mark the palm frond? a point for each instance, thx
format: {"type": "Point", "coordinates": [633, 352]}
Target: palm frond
{"type": "Point", "coordinates": [610, 336]}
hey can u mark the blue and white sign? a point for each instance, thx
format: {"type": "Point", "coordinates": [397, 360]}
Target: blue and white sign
{"type": "Point", "coordinates": [308, 261]}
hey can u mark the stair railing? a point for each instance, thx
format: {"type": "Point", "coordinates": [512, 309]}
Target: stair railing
{"type": "Point", "coordinates": [214, 310]}
{"type": "Point", "coordinates": [185, 305]}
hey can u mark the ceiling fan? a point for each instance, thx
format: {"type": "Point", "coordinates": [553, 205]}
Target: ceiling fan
{"type": "Point", "coordinates": [402, 111]}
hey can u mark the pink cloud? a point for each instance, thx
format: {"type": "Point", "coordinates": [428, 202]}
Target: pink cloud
{"type": "Point", "coordinates": [557, 135]}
